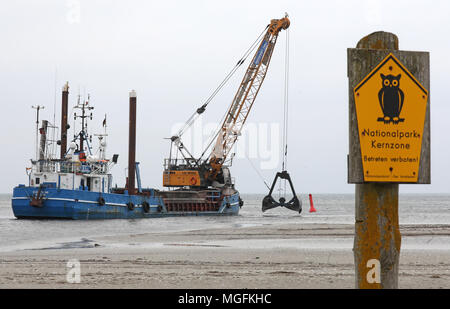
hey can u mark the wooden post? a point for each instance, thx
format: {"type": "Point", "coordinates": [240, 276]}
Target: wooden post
{"type": "Point", "coordinates": [377, 235]}
{"type": "Point", "coordinates": [132, 145]}
{"type": "Point", "coordinates": [64, 110]}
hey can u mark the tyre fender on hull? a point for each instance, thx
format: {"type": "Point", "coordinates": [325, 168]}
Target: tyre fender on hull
{"type": "Point", "coordinates": [146, 207]}
{"type": "Point", "coordinates": [101, 201]}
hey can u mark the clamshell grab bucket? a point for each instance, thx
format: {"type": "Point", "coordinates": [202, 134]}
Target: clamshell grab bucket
{"type": "Point", "coordinates": [293, 204]}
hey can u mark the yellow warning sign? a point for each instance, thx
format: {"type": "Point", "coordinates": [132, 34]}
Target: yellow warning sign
{"type": "Point", "coordinates": [390, 109]}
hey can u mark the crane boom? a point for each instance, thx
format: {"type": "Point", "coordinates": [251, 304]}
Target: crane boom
{"type": "Point", "coordinates": [205, 173]}
{"type": "Point", "coordinates": [245, 96]}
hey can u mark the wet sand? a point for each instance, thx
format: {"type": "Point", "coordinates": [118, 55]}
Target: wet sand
{"type": "Point", "coordinates": [272, 256]}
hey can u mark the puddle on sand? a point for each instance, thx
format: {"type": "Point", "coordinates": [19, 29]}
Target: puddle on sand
{"type": "Point", "coordinates": [83, 243]}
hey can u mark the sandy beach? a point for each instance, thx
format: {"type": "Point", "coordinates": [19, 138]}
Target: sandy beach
{"type": "Point", "coordinates": [272, 256]}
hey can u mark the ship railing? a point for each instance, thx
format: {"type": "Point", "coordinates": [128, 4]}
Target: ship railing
{"type": "Point", "coordinates": [45, 166]}
{"type": "Point", "coordinates": [99, 168]}
{"type": "Point", "coordinates": [213, 196]}
{"type": "Point", "coordinates": [173, 164]}
{"type": "Point", "coordinates": [55, 166]}
{"type": "Point", "coordinates": [69, 167]}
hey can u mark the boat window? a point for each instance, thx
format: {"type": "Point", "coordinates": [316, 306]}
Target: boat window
{"type": "Point", "coordinates": [38, 180]}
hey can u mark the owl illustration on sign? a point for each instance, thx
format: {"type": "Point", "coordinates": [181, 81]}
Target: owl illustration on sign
{"type": "Point", "coordinates": [391, 99]}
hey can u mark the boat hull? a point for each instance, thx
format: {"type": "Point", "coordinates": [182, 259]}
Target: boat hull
{"type": "Point", "coordinates": [85, 205]}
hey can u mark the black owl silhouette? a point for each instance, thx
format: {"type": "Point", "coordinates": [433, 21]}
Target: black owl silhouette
{"type": "Point", "coordinates": [391, 99]}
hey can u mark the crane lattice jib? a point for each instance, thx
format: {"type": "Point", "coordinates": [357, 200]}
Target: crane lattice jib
{"type": "Point", "coordinates": [246, 95]}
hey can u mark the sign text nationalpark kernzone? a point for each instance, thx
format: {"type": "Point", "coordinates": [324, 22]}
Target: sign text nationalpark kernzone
{"type": "Point", "coordinates": [400, 139]}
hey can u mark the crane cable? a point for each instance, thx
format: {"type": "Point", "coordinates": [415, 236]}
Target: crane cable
{"type": "Point", "coordinates": [257, 171]}
{"type": "Point", "coordinates": [285, 119]}
{"type": "Point", "coordinates": [286, 102]}
{"type": "Point", "coordinates": [285, 111]}
{"type": "Point", "coordinates": [201, 109]}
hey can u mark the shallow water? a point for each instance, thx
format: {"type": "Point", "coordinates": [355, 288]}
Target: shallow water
{"type": "Point", "coordinates": [331, 208]}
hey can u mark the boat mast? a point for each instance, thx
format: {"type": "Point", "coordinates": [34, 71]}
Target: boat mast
{"type": "Point", "coordinates": [83, 106]}
{"type": "Point", "coordinates": [37, 108]}
{"type": "Point", "coordinates": [64, 125]}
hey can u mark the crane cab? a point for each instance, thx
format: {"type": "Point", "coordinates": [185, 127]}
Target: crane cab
{"type": "Point", "coordinates": [181, 173]}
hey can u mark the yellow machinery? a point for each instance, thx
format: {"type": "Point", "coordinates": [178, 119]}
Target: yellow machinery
{"type": "Point", "coordinates": [203, 173]}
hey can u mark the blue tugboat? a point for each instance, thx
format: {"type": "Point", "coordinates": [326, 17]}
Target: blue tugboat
{"type": "Point", "coordinates": [79, 184]}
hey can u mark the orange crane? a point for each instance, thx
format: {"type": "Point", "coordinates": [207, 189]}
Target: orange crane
{"type": "Point", "coordinates": [198, 173]}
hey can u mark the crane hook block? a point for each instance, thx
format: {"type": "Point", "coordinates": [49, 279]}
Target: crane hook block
{"type": "Point", "coordinates": [269, 202]}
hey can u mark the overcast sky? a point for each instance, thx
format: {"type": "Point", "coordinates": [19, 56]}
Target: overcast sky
{"type": "Point", "coordinates": [174, 53]}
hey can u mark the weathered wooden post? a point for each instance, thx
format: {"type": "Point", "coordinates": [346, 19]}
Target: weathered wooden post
{"type": "Point", "coordinates": [132, 145]}
{"type": "Point", "coordinates": [64, 124]}
{"type": "Point", "coordinates": [389, 144]}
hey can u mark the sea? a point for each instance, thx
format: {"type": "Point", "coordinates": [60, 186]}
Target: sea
{"type": "Point", "coordinates": [414, 209]}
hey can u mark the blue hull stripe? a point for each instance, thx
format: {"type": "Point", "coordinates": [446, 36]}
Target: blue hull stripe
{"type": "Point", "coordinates": [73, 200]}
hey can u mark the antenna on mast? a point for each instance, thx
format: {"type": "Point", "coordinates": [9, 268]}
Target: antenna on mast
{"type": "Point", "coordinates": [53, 150]}
{"type": "Point", "coordinates": [84, 105]}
